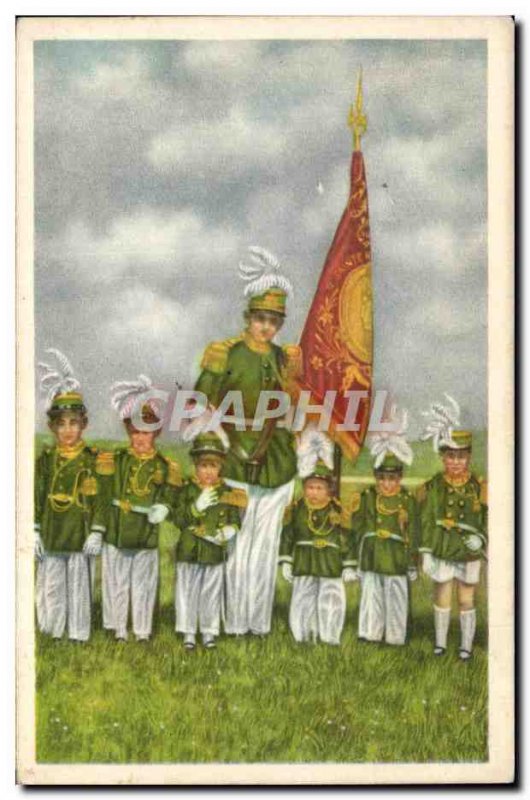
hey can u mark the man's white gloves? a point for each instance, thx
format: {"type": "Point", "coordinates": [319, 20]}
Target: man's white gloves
{"type": "Point", "coordinates": [349, 575]}
{"type": "Point", "coordinates": [92, 546]}
{"type": "Point", "coordinates": [157, 513]}
{"type": "Point", "coordinates": [225, 533]}
{"type": "Point", "coordinates": [287, 571]}
{"type": "Point", "coordinates": [207, 498]}
{"type": "Point", "coordinates": [427, 563]}
{"type": "Point", "coordinates": [473, 542]}
{"type": "Point", "coordinates": [38, 547]}
{"type": "Point", "coordinates": [412, 573]}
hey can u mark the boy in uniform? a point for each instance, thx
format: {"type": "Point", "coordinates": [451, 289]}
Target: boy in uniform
{"type": "Point", "coordinates": [67, 502]}
{"type": "Point", "coordinates": [142, 487]}
{"type": "Point", "coordinates": [316, 552]}
{"type": "Point", "coordinates": [385, 525]}
{"type": "Point", "coordinates": [207, 511]}
{"type": "Point", "coordinates": [453, 527]}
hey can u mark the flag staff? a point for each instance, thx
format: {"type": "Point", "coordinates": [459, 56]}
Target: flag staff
{"type": "Point", "coordinates": [357, 120]}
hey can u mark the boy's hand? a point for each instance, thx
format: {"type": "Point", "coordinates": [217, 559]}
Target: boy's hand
{"type": "Point", "coordinates": [225, 533]}
{"type": "Point", "coordinates": [38, 547]}
{"type": "Point", "coordinates": [207, 498]}
{"type": "Point", "coordinates": [349, 575]}
{"type": "Point", "coordinates": [157, 513]}
{"type": "Point", "coordinates": [412, 573]}
{"type": "Point", "coordinates": [427, 564]}
{"type": "Point", "coordinates": [287, 571]}
{"type": "Point", "coordinates": [473, 542]}
{"type": "Point", "coordinates": [92, 546]}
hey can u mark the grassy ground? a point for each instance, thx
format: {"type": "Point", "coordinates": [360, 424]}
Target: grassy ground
{"type": "Point", "coordinates": [256, 700]}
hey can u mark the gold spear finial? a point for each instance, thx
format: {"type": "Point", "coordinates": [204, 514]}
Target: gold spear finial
{"type": "Point", "coordinates": [356, 119]}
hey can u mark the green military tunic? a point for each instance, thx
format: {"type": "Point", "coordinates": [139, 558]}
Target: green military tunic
{"type": "Point", "coordinates": [385, 530]}
{"type": "Point", "coordinates": [135, 483]}
{"type": "Point", "coordinates": [243, 365]}
{"type": "Point", "coordinates": [315, 542]}
{"type": "Point", "coordinates": [449, 511]}
{"type": "Point", "coordinates": [68, 497]}
{"type": "Point", "coordinates": [192, 547]}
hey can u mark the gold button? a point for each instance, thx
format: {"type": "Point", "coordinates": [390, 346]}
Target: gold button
{"type": "Point", "coordinates": [461, 503]}
{"type": "Point", "coordinates": [451, 490]}
{"type": "Point", "coordinates": [450, 502]}
{"type": "Point", "coordinates": [461, 516]}
{"type": "Point", "coordinates": [449, 514]}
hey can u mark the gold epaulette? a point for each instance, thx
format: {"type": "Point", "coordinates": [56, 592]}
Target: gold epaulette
{"type": "Point", "coordinates": [421, 493]}
{"type": "Point", "coordinates": [105, 463]}
{"type": "Point", "coordinates": [89, 486]}
{"type": "Point", "coordinates": [483, 491]}
{"type": "Point", "coordinates": [215, 356]}
{"type": "Point", "coordinates": [174, 472]}
{"type": "Point", "coordinates": [235, 497]}
{"type": "Point", "coordinates": [293, 355]}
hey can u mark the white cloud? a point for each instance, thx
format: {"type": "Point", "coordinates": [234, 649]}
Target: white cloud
{"type": "Point", "coordinates": [122, 79]}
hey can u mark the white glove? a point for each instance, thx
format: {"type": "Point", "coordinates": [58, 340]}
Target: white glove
{"type": "Point", "coordinates": [427, 563]}
{"type": "Point", "coordinates": [38, 547]}
{"type": "Point", "coordinates": [349, 575]}
{"type": "Point", "coordinates": [412, 573]}
{"type": "Point", "coordinates": [225, 533]}
{"type": "Point", "coordinates": [157, 513]}
{"type": "Point", "coordinates": [92, 546]}
{"type": "Point", "coordinates": [287, 571]}
{"type": "Point", "coordinates": [473, 542]}
{"type": "Point", "coordinates": [207, 498]}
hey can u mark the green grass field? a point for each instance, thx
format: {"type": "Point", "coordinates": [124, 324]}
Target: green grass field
{"type": "Point", "coordinates": [262, 700]}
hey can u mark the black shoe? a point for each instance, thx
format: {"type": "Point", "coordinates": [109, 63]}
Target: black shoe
{"type": "Point", "coordinates": [439, 651]}
{"type": "Point", "coordinates": [189, 646]}
{"type": "Point", "coordinates": [464, 655]}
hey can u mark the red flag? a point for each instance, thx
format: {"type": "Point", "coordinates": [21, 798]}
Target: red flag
{"type": "Point", "coordinates": [337, 341]}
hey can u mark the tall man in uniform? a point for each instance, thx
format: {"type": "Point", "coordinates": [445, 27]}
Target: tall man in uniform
{"type": "Point", "coordinates": [261, 462]}
{"type": "Point", "coordinates": [453, 527]}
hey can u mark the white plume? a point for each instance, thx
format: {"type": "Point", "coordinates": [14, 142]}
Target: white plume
{"type": "Point", "coordinates": [57, 378]}
{"type": "Point", "coordinates": [205, 423]}
{"type": "Point", "coordinates": [441, 422]}
{"type": "Point", "coordinates": [314, 446]}
{"type": "Point", "coordinates": [263, 273]}
{"type": "Point", "coordinates": [124, 395]}
{"type": "Point", "coordinates": [393, 441]}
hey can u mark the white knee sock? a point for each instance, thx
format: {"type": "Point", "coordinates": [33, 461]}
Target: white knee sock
{"type": "Point", "coordinates": [468, 624]}
{"type": "Point", "coordinates": [442, 617]}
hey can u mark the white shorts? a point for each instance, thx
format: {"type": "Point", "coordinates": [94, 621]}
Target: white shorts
{"type": "Point", "coordinates": [465, 571]}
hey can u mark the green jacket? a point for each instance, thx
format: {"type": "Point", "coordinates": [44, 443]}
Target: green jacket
{"type": "Point", "coordinates": [386, 531]}
{"type": "Point", "coordinates": [68, 498]}
{"type": "Point", "coordinates": [136, 483]}
{"type": "Point", "coordinates": [448, 513]}
{"type": "Point", "coordinates": [314, 541]}
{"type": "Point", "coordinates": [233, 365]}
{"type": "Point", "coordinates": [192, 547]}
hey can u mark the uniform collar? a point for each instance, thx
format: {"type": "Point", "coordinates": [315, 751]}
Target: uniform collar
{"type": "Point", "coordinates": [315, 506]}
{"type": "Point", "coordinates": [198, 485]}
{"type": "Point", "coordinates": [457, 481]}
{"type": "Point", "coordinates": [142, 456]}
{"type": "Point", "coordinates": [388, 494]}
{"type": "Point", "coordinates": [71, 452]}
{"type": "Point", "coordinates": [263, 348]}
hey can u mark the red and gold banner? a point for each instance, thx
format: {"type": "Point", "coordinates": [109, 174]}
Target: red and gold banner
{"type": "Point", "coordinates": [337, 340]}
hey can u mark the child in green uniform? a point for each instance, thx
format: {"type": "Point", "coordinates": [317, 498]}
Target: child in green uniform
{"type": "Point", "coordinates": [207, 513]}
{"type": "Point", "coordinates": [143, 485]}
{"type": "Point", "coordinates": [453, 527]}
{"type": "Point", "coordinates": [384, 521]}
{"type": "Point", "coordinates": [316, 552]}
{"type": "Point", "coordinates": [68, 518]}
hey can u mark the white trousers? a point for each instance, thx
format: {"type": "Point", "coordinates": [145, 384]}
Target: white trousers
{"type": "Point", "coordinates": [108, 583]}
{"type": "Point", "coordinates": [63, 595]}
{"type": "Point", "coordinates": [198, 598]}
{"type": "Point", "coordinates": [384, 608]}
{"type": "Point", "coordinates": [251, 565]}
{"type": "Point", "coordinates": [135, 576]}
{"type": "Point", "coordinates": [318, 609]}
{"type": "Point", "coordinates": [441, 570]}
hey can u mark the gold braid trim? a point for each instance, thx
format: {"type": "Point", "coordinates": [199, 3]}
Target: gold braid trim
{"type": "Point", "coordinates": [235, 497]}
{"type": "Point", "coordinates": [483, 492]}
{"type": "Point", "coordinates": [293, 355]}
{"type": "Point", "coordinates": [215, 356]}
{"type": "Point", "coordinates": [174, 473]}
{"type": "Point", "coordinates": [105, 464]}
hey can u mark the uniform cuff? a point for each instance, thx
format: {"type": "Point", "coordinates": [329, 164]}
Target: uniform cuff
{"type": "Point", "coordinates": [424, 550]}
{"type": "Point", "coordinates": [285, 560]}
{"type": "Point", "coordinates": [98, 529]}
{"type": "Point", "coordinates": [349, 564]}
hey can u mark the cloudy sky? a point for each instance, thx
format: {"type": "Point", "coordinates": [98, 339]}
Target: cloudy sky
{"type": "Point", "coordinates": [158, 162]}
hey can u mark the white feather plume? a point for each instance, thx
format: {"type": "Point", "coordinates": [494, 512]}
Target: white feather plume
{"type": "Point", "coordinates": [263, 273]}
{"type": "Point", "coordinates": [124, 395]}
{"type": "Point", "coordinates": [314, 446]}
{"type": "Point", "coordinates": [441, 422]}
{"type": "Point", "coordinates": [205, 423]}
{"type": "Point", "coordinates": [393, 441]}
{"type": "Point", "coordinates": [57, 378]}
